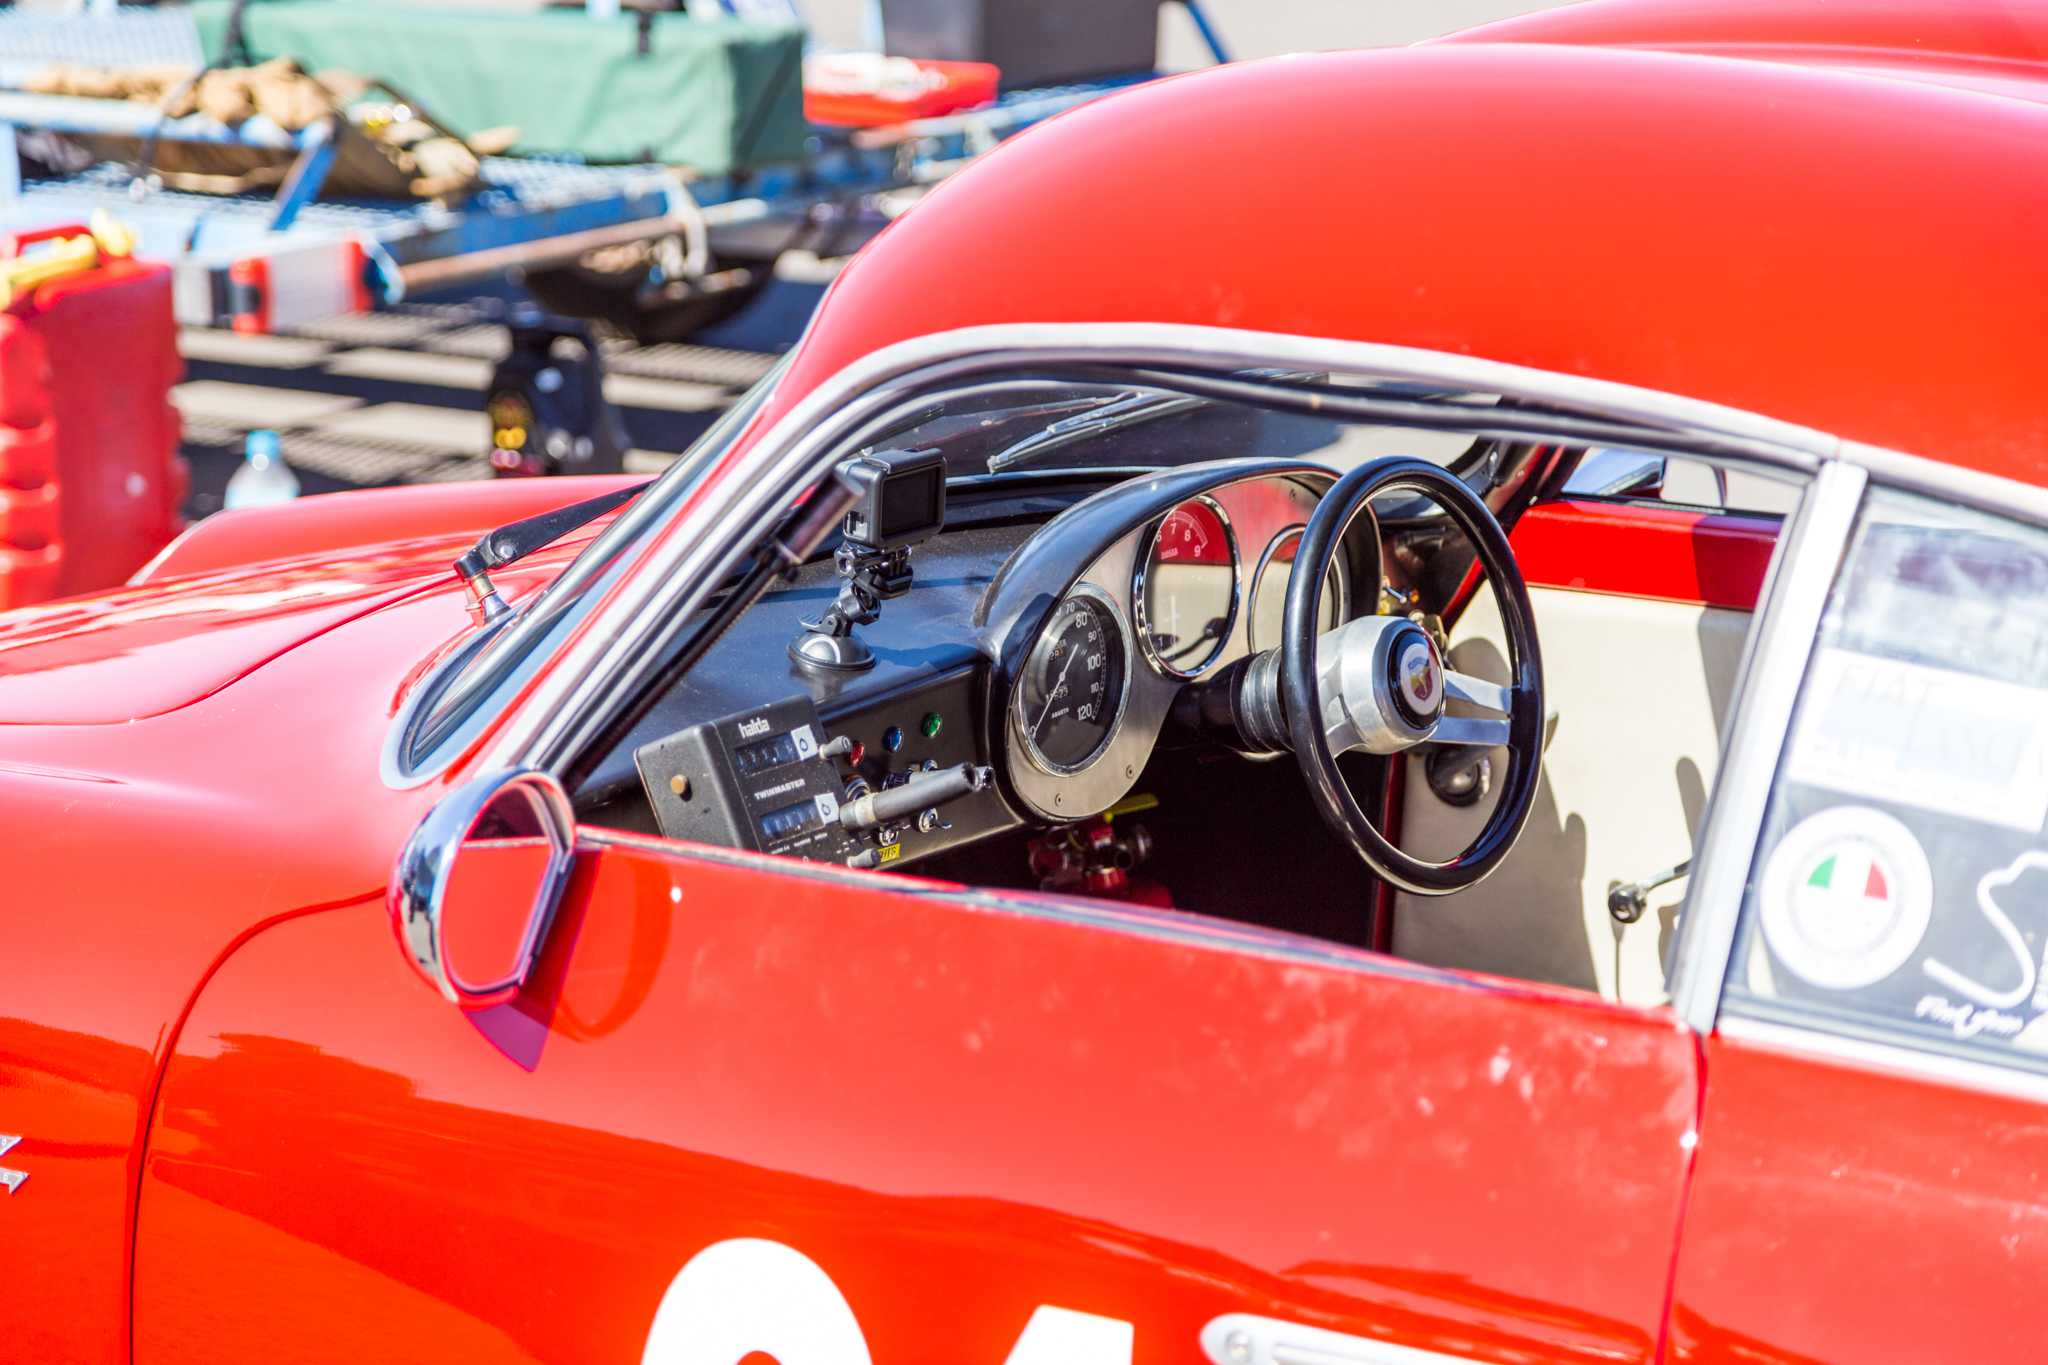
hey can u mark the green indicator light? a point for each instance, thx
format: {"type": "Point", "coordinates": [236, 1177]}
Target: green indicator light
{"type": "Point", "coordinates": [933, 722]}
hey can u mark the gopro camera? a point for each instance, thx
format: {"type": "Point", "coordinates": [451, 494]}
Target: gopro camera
{"type": "Point", "coordinates": [900, 498]}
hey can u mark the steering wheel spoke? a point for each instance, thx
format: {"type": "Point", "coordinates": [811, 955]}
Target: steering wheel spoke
{"type": "Point", "coordinates": [1478, 691]}
{"type": "Point", "coordinates": [1486, 731]}
{"type": "Point", "coordinates": [1489, 731]}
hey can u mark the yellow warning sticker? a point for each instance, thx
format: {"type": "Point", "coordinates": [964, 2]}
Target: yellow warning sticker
{"type": "Point", "coordinates": [891, 852]}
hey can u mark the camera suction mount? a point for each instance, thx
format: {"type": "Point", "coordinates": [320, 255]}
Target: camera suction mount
{"type": "Point", "coordinates": [901, 502]}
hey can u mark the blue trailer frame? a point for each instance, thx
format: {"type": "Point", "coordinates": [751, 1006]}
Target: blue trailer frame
{"type": "Point", "coordinates": [256, 262]}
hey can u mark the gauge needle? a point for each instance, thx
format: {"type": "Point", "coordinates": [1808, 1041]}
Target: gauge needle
{"type": "Point", "coordinates": [1052, 697]}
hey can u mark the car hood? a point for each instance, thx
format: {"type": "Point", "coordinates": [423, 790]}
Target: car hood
{"type": "Point", "coordinates": [143, 650]}
{"type": "Point", "coordinates": [242, 588]}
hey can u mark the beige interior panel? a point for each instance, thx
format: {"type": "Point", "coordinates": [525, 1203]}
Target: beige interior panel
{"type": "Point", "coordinates": [1638, 690]}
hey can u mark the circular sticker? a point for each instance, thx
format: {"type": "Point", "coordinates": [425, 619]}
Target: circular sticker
{"type": "Point", "coordinates": [1846, 897]}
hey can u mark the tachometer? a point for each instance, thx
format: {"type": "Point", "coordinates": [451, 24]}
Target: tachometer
{"type": "Point", "coordinates": [1072, 690]}
{"type": "Point", "coordinates": [1186, 596]}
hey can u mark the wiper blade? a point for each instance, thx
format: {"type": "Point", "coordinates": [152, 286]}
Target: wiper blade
{"type": "Point", "coordinates": [515, 540]}
{"type": "Point", "coordinates": [1121, 412]}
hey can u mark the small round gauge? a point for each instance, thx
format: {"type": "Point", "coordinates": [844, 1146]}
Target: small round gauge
{"type": "Point", "coordinates": [1269, 591]}
{"type": "Point", "coordinates": [1187, 594]}
{"type": "Point", "coordinates": [1072, 690]}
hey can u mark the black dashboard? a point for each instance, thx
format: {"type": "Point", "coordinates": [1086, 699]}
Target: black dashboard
{"type": "Point", "coordinates": [1024, 679]}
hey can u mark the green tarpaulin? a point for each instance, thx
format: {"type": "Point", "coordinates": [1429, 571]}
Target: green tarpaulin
{"type": "Point", "coordinates": [716, 96]}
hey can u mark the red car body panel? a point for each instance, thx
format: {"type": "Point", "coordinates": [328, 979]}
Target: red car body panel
{"type": "Point", "coordinates": [195, 763]}
{"type": "Point", "coordinates": [1142, 1117]}
{"type": "Point", "coordinates": [1676, 554]}
{"type": "Point", "coordinates": [149, 851]}
{"type": "Point", "coordinates": [1840, 1214]}
{"type": "Point", "coordinates": [1866, 263]}
{"type": "Point", "coordinates": [334, 522]}
{"type": "Point", "coordinates": [2002, 44]}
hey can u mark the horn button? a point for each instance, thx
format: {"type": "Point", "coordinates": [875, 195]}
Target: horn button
{"type": "Point", "coordinates": [1381, 684]}
{"type": "Point", "coordinates": [1418, 678]}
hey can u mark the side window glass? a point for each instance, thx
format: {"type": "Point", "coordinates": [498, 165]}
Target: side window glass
{"type": "Point", "coordinates": [1639, 476]}
{"type": "Point", "coordinates": [1900, 886]}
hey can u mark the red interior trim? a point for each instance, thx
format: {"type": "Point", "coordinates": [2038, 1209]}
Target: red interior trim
{"type": "Point", "coordinates": [1716, 559]}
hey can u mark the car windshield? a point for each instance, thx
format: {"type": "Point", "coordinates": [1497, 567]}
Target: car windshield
{"type": "Point", "coordinates": [1054, 425]}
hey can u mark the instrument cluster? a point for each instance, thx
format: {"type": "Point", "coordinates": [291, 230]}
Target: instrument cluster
{"type": "Point", "coordinates": [1173, 599]}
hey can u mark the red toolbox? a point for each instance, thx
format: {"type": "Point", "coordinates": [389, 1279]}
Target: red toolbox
{"type": "Point", "coordinates": [864, 90]}
{"type": "Point", "coordinates": [90, 478]}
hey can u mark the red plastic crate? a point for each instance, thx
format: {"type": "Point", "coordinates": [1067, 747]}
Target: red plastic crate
{"type": "Point", "coordinates": [947, 88]}
{"type": "Point", "coordinates": [90, 478]}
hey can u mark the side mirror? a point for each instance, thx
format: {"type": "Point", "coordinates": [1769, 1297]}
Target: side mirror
{"type": "Point", "coordinates": [477, 885]}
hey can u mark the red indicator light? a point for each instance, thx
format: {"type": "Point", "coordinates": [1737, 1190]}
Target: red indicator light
{"type": "Point", "coordinates": [854, 755]}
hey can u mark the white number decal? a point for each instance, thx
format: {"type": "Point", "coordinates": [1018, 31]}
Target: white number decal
{"type": "Point", "coordinates": [734, 1298]}
{"type": "Point", "coordinates": [749, 1295]}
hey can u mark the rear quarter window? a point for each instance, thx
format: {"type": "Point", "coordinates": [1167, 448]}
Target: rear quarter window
{"type": "Point", "coordinates": [1900, 887]}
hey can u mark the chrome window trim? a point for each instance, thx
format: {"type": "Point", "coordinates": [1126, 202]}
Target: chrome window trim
{"type": "Point", "coordinates": [1889, 1059]}
{"type": "Point", "coordinates": [1788, 615]}
{"type": "Point", "coordinates": [677, 572]}
{"type": "Point", "coordinates": [1969, 487]}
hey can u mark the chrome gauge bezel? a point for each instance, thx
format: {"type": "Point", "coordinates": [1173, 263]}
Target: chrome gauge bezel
{"type": "Point", "coordinates": [1039, 790]}
{"type": "Point", "coordinates": [1338, 572]}
{"type": "Point", "coordinates": [1142, 579]}
{"type": "Point", "coordinates": [1124, 630]}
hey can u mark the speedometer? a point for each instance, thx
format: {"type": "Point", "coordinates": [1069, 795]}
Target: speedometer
{"type": "Point", "coordinates": [1072, 690]}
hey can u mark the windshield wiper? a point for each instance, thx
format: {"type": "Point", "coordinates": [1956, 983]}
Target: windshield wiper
{"type": "Point", "coordinates": [515, 540]}
{"type": "Point", "coordinates": [1119, 413]}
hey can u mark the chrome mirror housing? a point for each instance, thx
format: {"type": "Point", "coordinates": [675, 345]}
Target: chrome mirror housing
{"type": "Point", "coordinates": [478, 883]}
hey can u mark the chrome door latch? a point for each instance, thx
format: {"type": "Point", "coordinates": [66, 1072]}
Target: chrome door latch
{"type": "Point", "coordinates": [1627, 902]}
{"type": "Point", "coordinates": [10, 1180]}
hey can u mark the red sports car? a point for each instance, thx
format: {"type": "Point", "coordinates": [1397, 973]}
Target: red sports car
{"type": "Point", "coordinates": [1322, 719]}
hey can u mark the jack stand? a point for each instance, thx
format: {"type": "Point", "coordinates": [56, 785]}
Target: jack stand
{"type": "Point", "coordinates": [868, 578]}
{"type": "Point", "coordinates": [546, 404]}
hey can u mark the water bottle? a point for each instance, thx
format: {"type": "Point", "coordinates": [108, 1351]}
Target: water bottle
{"type": "Point", "coordinates": [264, 479]}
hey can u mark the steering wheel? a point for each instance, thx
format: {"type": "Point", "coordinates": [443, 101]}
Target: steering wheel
{"type": "Point", "coordinates": [1379, 684]}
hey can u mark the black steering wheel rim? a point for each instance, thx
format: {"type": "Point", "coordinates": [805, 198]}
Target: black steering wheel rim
{"type": "Point", "coordinates": [1303, 705]}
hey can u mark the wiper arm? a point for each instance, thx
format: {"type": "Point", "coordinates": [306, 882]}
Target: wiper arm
{"type": "Point", "coordinates": [515, 540]}
{"type": "Point", "coordinates": [1119, 413]}
{"type": "Point", "coordinates": [1124, 410]}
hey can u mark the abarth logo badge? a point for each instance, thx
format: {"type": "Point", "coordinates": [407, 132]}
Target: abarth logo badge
{"type": "Point", "coordinates": [10, 1180]}
{"type": "Point", "coordinates": [1421, 677]}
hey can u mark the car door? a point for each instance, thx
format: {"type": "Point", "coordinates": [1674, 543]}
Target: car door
{"type": "Point", "coordinates": [1873, 1163]}
{"type": "Point", "coordinates": [746, 1105]}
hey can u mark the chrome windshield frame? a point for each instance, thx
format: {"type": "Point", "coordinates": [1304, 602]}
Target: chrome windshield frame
{"type": "Point", "coordinates": [446, 697]}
